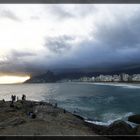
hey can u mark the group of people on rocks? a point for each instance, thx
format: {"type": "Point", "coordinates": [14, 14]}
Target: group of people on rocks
{"type": "Point", "coordinates": [13, 99]}
{"type": "Point", "coordinates": [31, 114]}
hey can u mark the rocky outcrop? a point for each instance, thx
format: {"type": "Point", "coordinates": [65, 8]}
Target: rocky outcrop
{"type": "Point", "coordinates": [138, 130]}
{"type": "Point", "coordinates": [134, 118]}
{"type": "Point", "coordinates": [99, 129]}
{"type": "Point", "coordinates": [39, 118]}
{"type": "Point", "coordinates": [120, 128]}
{"type": "Point", "coordinates": [116, 128]}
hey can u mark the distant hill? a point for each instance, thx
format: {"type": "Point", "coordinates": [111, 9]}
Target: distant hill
{"type": "Point", "coordinates": [47, 77]}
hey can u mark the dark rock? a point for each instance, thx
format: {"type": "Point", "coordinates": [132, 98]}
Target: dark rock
{"type": "Point", "coordinates": [33, 116]}
{"type": "Point", "coordinates": [138, 130]}
{"type": "Point", "coordinates": [78, 116]}
{"type": "Point", "coordinates": [119, 128]}
{"type": "Point", "coordinates": [99, 129]}
{"type": "Point", "coordinates": [11, 105]}
{"type": "Point", "coordinates": [134, 118]}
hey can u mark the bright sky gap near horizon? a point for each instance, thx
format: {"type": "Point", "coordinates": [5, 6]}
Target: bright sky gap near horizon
{"type": "Point", "coordinates": [38, 37]}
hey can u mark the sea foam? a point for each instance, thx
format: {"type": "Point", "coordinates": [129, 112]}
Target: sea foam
{"type": "Point", "coordinates": [107, 123]}
{"type": "Point", "coordinates": [120, 85]}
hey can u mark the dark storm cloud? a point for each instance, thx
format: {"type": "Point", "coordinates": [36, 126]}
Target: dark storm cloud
{"type": "Point", "coordinates": [121, 40]}
{"type": "Point", "coordinates": [17, 54]}
{"type": "Point", "coordinates": [114, 45]}
{"type": "Point", "coordinates": [9, 14]}
{"type": "Point", "coordinates": [58, 44]}
{"type": "Point", "coordinates": [16, 62]}
{"type": "Point", "coordinates": [122, 34]}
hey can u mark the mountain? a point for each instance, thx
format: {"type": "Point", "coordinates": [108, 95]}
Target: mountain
{"type": "Point", "coordinates": [47, 77]}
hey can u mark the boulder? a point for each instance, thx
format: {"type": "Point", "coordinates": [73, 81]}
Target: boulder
{"type": "Point", "coordinates": [119, 128]}
{"type": "Point", "coordinates": [134, 118]}
{"type": "Point", "coordinates": [99, 129]}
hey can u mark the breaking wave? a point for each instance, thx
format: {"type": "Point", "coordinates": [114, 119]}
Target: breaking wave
{"type": "Point", "coordinates": [110, 121]}
{"type": "Point", "coordinates": [120, 85]}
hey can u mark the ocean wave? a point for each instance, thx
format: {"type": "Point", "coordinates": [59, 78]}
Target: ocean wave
{"type": "Point", "coordinates": [120, 85]}
{"type": "Point", "coordinates": [110, 121]}
{"type": "Point", "coordinates": [99, 122]}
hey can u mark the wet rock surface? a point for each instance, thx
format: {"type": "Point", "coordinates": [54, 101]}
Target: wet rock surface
{"type": "Point", "coordinates": [117, 128]}
{"type": "Point", "coordinates": [134, 118]}
{"type": "Point", "coordinates": [120, 128]}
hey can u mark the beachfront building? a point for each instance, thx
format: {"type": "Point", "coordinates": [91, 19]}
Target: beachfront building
{"type": "Point", "coordinates": [135, 77]}
{"type": "Point", "coordinates": [86, 79]}
{"type": "Point", "coordinates": [111, 78]}
{"type": "Point", "coordinates": [124, 77]}
{"type": "Point", "coordinates": [116, 78]}
{"type": "Point", "coordinates": [103, 78]}
{"type": "Point", "coordinates": [93, 79]}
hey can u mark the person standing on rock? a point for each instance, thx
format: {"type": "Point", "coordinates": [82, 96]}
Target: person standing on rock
{"type": "Point", "coordinates": [12, 103]}
{"type": "Point", "coordinates": [23, 97]}
{"type": "Point", "coordinates": [17, 98]}
{"type": "Point", "coordinates": [14, 98]}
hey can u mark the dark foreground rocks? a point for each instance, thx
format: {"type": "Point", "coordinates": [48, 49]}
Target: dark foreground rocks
{"type": "Point", "coordinates": [120, 128]}
{"type": "Point", "coordinates": [116, 128]}
{"type": "Point", "coordinates": [134, 118]}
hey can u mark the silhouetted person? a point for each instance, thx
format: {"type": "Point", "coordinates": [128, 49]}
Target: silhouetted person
{"type": "Point", "coordinates": [3, 100]}
{"type": "Point", "coordinates": [32, 115]}
{"type": "Point", "coordinates": [17, 98]}
{"type": "Point", "coordinates": [14, 98]}
{"type": "Point", "coordinates": [23, 97]}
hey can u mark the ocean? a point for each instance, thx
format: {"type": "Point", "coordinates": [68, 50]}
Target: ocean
{"type": "Point", "coordinates": [100, 103]}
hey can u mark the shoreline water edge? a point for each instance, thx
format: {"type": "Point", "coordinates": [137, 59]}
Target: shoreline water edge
{"type": "Point", "coordinates": [43, 118]}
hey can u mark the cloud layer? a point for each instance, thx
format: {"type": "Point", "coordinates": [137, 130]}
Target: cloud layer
{"type": "Point", "coordinates": [68, 36]}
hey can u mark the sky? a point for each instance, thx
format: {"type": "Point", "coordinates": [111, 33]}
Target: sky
{"type": "Point", "coordinates": [39, 37]}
